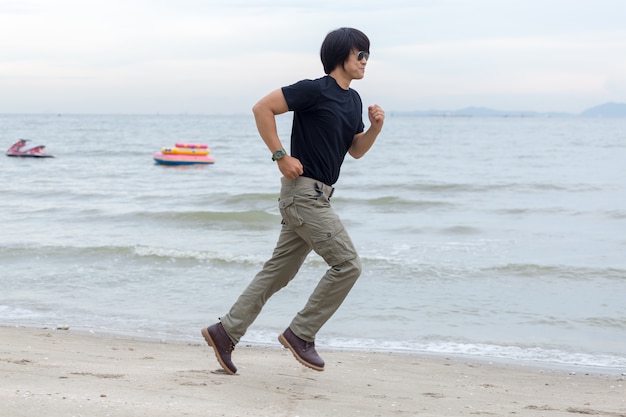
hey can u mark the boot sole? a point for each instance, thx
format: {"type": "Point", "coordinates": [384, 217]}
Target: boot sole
{"type": "Point", "coordinates": [283, 341]}
{"type": "Point", "coordinates": [210, 342]}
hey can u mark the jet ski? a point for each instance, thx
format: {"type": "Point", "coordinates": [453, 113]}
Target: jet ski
{"type": "Point", "coordinates": [22, 148]}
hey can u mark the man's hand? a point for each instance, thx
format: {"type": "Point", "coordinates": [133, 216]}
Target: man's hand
{"type": "Point", "coordinates": [290, 167]}
{"type": "Point", "coordinates": [362, 142]}
{"type": "Point", "coordinates": [376, 116]}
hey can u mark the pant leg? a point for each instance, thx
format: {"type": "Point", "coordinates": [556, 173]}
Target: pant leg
{"type": "Point", "coordinates": [327, 297]}
{"type": "Point", "coordinates": [321, 227]}
{"type": "Point", "coordinates": [290, 252]}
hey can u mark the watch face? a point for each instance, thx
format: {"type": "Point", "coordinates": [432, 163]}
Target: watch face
{"type": "Point", "coordinates": [278, 155]}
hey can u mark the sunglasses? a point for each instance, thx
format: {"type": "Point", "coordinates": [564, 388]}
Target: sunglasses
{"type": "Point", "coordinates": [361, 55]}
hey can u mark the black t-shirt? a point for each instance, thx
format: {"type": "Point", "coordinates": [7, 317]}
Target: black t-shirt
{"type": "Point", "coordinates": [326, 118]}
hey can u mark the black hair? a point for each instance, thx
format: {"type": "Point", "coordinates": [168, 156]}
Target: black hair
{"type": "Point", "coordinates": [338, 45]}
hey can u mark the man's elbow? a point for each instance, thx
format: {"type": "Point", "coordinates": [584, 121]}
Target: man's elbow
{"type": "Point", "coordinates": [356, 155]}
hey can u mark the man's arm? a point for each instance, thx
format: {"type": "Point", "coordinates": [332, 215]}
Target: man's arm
{"type": "Point", "coordinates": [364, 141]}
{"type": "Point", "coordinates": [265, 112]}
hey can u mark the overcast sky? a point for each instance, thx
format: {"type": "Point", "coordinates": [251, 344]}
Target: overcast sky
{"type": "Point", "coordinates": [203, 56]}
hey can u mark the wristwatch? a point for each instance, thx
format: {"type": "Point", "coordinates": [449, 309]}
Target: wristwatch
{"type": "Point", "coordinates": [279, 154]}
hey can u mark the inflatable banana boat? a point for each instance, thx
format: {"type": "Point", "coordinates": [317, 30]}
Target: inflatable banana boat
{"type": "Point", "coordinates": [184, 154]}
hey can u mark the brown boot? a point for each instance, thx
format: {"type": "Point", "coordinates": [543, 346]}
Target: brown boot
{"type": "Point", "coordinates": [303, 351]}
{"type": "Point", "coordinates": [217, 338]}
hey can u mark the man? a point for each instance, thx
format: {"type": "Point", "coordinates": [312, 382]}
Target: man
{"type": "Point", "coordinates": [327, 124]}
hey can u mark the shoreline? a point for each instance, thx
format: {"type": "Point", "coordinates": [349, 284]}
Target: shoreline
{"type": "Point", "coordinates": [477, 357]}
{"type": "Point", "coordinates": [60, 373]}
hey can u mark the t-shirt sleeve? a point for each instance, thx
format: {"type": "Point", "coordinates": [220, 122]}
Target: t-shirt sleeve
{"type": "Point", "coordinates": [302, 95]}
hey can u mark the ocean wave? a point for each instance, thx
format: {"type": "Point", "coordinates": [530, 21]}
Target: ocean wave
{"type": "Point", "coordinates": [168, 253]}
{"type": "Point", "coordinates": [394, 203]}
{"type": "Point", "coordinates": [618, 323]}
{"type": "Point", "coordinates": [535, 210]}
{"type": "Point", "coordinates": [560, 210]}
{"type": "Point", "coordinates": [252, 216]}
{"type": "Point", "coordinates": [616, 214]}
{"type": "Point", "coordinates": [86, 254]}
{"type": "Point", "coordinates": [249, 219]}
{"type": "Point", "coordinates": [534, 354]}
{"type": "Point", "coordinates": [481, 351]}
{"type": "Point", "coordinates": [246, 198]}
{"type": "Point", "coordinates": [560, 271]}
{"type": "Point", "coordinates": [482, 188]}
{"type": "Point", "coordinates": [461, 230]}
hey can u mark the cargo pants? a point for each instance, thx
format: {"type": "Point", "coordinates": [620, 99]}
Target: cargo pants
{"type": "Point", "coordinates": [309, 223]}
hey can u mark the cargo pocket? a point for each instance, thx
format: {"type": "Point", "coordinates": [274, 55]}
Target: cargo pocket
{"type": "Point", "coordinates": [289, 212]}
{"type": "Point", "coordinates": [333, 244]}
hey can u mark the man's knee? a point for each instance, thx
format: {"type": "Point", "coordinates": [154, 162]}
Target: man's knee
{"type": "Point", "coordinates": [350, 269]}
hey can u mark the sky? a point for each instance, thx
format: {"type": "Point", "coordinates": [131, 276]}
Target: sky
{"type": "Point", "coordinates": [220, 57]}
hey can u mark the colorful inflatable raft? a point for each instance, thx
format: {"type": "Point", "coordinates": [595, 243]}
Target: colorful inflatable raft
{"type": "Point", "coordinates": [184, 154]}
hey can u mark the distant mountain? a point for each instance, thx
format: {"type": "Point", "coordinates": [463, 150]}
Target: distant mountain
{"type": "Point", "coordinates": [606, 110]}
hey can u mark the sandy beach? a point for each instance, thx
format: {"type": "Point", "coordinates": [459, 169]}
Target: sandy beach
{"type": "Point", "coordinates": [56, 372]}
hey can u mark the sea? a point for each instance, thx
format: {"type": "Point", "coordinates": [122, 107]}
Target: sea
{"type": "Point", "coordinates": [497, 238]}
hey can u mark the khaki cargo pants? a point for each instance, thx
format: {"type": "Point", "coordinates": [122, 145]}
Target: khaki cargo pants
{"type": "Point", "coordinates": [309, 223]}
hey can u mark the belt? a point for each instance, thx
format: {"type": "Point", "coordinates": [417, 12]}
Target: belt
{"type": "Point", "coordinates": [318, 185]}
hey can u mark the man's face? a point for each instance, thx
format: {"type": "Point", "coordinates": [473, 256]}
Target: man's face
{"type": "Point", "coordinates": [355, 64]}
